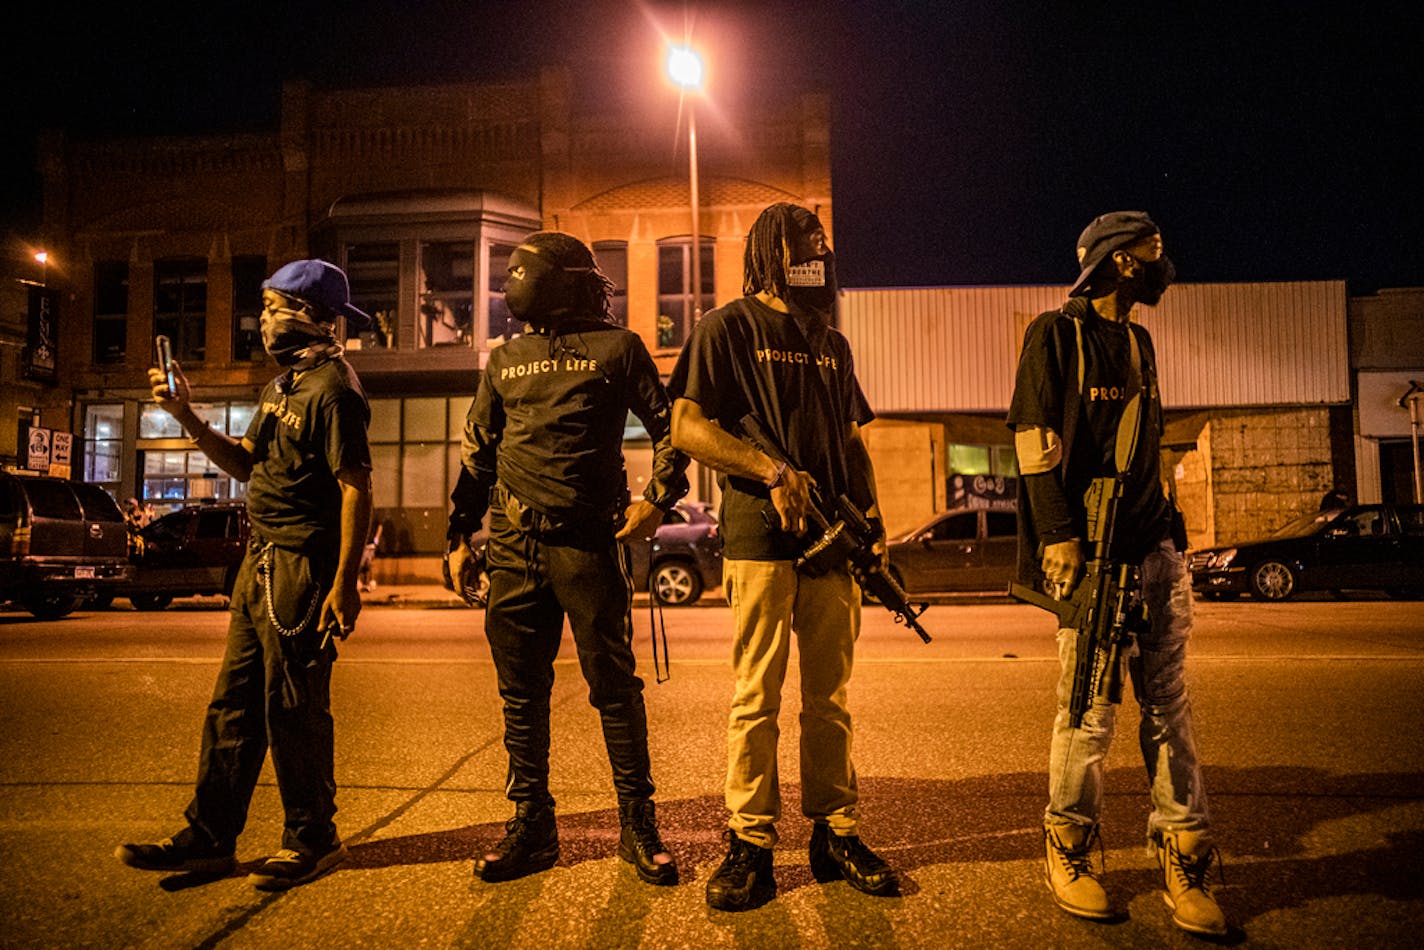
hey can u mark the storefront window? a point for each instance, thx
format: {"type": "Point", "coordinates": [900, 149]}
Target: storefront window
{"type": "Point", "coordinates": [103, 445]}
{"type": "Point", "coordinates": [174, 475]}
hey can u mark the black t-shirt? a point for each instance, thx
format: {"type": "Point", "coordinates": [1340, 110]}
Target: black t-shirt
{"type": "Point", "coordinates": [1048, 372]}
{"type": "Point", "coordinates": [548, 419]}
{"type": "Point", "coordinates": [797, 378]}
{"type": "Point", "coordinates": [301, 439]}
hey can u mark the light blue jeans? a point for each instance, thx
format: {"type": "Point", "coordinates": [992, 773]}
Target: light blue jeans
{"type": "Point", "coordinates": [1157, 668]}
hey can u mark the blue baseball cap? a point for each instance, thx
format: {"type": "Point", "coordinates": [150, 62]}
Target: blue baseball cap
{"type": "Point", "coordinates": [320, 283]}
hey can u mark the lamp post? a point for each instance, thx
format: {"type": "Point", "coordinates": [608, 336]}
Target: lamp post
{"type": "Point", "coordinates": [42, 258]}
{"type": "Point", "coordinates": [684, 67]}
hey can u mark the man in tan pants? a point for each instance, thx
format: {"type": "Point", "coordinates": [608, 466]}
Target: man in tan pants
{"type": "Point", "coordinates": [773, 357]}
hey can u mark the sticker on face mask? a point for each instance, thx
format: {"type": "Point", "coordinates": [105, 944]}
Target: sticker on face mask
{"type": "Point", "coordinates": [809, 274]}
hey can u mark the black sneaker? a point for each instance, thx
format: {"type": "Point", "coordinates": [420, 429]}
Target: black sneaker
{"type": "Point", "coordinates": [744, 880]}
{"type": "Point", "coordinates": [184, 852]}
{"type": "Point", "coordinates": [530, 845]}
{"type": "Point", "coordinates": [288, 868]}
{"type": "Point", "coordinates": [836, 856]}
{"type": "Point", "coordinates": [639, 844]}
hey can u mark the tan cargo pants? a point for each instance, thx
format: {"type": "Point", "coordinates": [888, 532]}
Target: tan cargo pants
{"type": "Point", "coordinates": [770, 602]}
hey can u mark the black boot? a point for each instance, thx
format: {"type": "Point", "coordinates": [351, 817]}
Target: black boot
{"type": "Point", "coordinates": [639, 844]}
{"type": "Point", "coordinates": [530, 845]}
{"type": "Point", "coordinates": [836, 856]}
{"type": "Point", "coordinates": [744, 879]}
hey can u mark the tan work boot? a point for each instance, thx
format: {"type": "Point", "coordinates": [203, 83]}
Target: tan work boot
{"type": "Point", "coordinates": [1186, 859]}
{"type": "Point", "coordinates": [1068, 871]}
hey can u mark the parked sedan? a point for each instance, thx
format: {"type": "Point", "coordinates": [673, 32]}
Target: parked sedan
{"type": "Point", "coordinates": [968, 549]}
{"type": "Point", "coordinates": [684, 557]}
{"type": "Point", "coordinates": [194, 550]}
{"type": "Point", "coordinates": [1366, 547]}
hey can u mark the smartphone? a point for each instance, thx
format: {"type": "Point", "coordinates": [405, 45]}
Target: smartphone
{"type": "Point", "coordinates": [165, 361]}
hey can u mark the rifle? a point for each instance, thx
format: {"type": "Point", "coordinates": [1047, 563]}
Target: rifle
{"type": "Point", "coordinates": [1105, 608]}
{"type": "Point", "coordinates": [848, 539]}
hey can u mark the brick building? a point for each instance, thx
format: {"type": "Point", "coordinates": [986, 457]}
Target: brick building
{"type": "Point", "coordinates": [421, 194]}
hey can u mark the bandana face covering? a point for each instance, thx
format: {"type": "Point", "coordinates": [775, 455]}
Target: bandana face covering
{"type": "Point", "coordinates": [288, 335]}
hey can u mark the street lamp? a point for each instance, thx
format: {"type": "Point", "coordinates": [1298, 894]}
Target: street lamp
{"type": "Point", "coordinates": [42, 258]}
{"type": "Point", "coordinates": [684, 67]}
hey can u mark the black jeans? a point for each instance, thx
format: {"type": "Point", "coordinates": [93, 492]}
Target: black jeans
{"type": "Point", "coordinates": [275, 687]}
{"type": "Point", "coordinates": [536, 578]}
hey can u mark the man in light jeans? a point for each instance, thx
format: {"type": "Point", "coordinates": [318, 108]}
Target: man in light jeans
{"type": "Point", "coordinates": [1087, 409]}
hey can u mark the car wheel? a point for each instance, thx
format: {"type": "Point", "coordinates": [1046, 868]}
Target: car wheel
{"type": "Point", "coordinates": [1272, 580]}
{"type": "Point", "coordinates": [675, 584]}
{"type": "Point", "coordinates": [150, 601]}
{"type": "Point", "coordinates": [52, 606]}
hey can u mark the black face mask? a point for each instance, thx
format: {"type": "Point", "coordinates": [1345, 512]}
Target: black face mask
{"type": "Point", "coordinates": [812, 285]}
{"type": "Point", "coordinates": [544, 292]}
{"type": "Point", "coordinates": [1150, 282]}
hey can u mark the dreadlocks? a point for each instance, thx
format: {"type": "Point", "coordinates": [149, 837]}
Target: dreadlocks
{"type": "Point", "coordinates": [592, 291]}
{"type": "Point", "coordinates": [768, 253]}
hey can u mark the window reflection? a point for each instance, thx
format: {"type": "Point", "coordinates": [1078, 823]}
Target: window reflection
{"type": "Point", "coordinates": [374, 272]}
{"type": "Point", "coordinates": [447, 294]}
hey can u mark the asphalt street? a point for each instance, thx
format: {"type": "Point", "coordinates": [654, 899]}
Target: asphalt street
{"type": "Point", "coordinates": [1309, 717]}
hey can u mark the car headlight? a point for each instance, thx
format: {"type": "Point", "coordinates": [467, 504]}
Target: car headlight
{"type": "Point", "coordinates": [1224, 558]}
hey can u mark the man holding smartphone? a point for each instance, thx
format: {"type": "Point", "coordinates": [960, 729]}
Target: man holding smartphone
{"type": "Point", "coordinates": [307, 465]}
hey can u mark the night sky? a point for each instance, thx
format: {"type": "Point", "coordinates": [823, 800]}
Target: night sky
{"type": "Point", "coordinates": [971, 140]}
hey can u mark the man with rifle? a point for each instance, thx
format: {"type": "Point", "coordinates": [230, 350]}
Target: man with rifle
{"type": "Point", "coordinates": [1087, 420]}
{"type": "Point", "coordinates": [765, 393]}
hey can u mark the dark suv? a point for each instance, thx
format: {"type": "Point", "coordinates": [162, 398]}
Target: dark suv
{"type": "Point", "coordinates": [61, 542]}
{"type": "Point", "coordinates": [194, 550]}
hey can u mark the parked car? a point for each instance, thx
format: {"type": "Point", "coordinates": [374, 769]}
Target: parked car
{"type": "Point", "coordinates": [1364, 547]}
{"type": "Point", "coordinates": [968, 549]}
{"type": "Point", "coordinates": [60, 542]}
{"type": "Point", "coordinates": [194, 550]}
{"type": "Point", "coordinates": [683, 559]}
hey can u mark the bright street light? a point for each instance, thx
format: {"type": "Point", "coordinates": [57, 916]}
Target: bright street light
{"type": "Point", "coordinates": [684, 67]}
